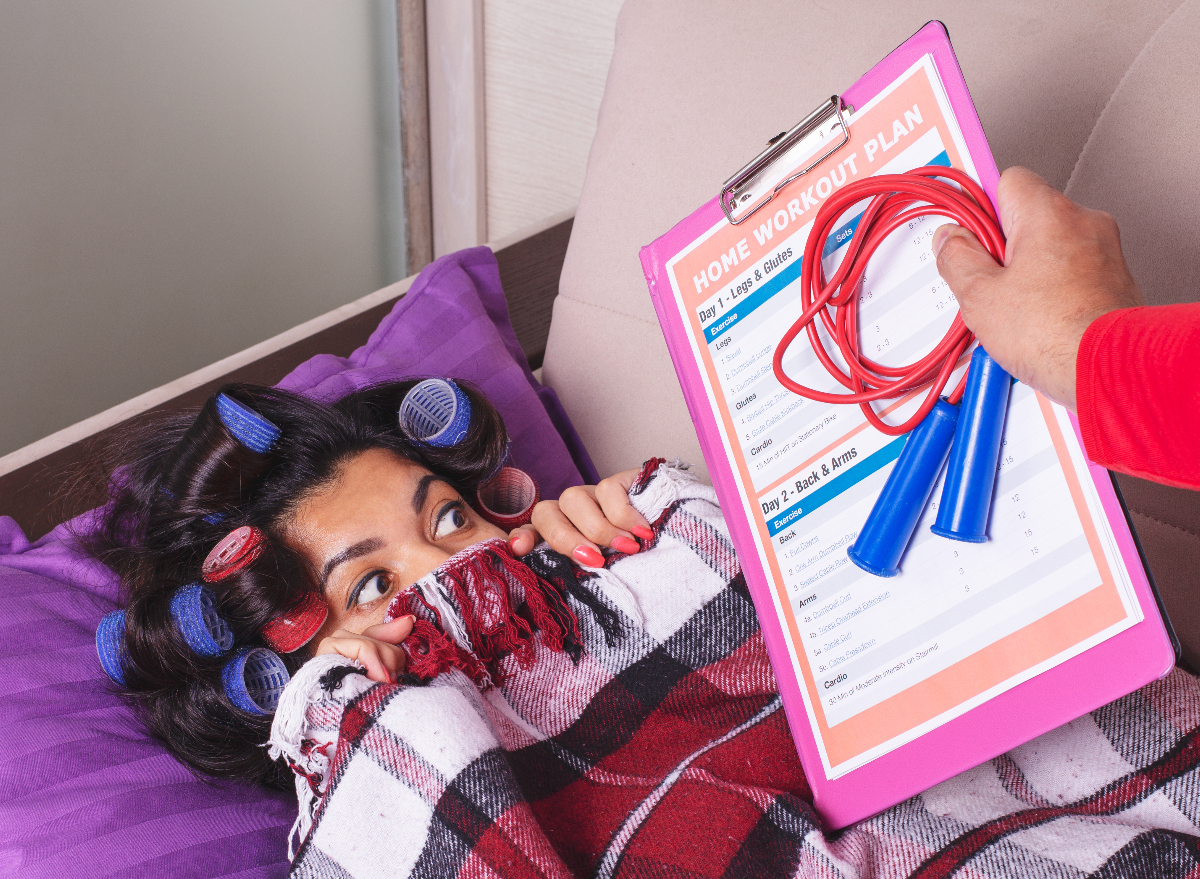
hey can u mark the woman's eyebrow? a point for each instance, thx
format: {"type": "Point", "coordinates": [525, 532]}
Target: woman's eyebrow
{"type": "Point", "coordinates": [362, 548]}
{"type": "Point", "coordinates": [422, 493]}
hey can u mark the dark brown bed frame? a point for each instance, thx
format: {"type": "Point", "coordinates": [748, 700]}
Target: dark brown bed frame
{"type": "Point", "coordinates": [38, 494]}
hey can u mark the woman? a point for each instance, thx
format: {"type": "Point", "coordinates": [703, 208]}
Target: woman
{"type": "Point", "coordinates": [188, 481]}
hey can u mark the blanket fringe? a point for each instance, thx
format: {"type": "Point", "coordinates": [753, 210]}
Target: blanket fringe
{"type": "Point", "coordinates": [490, 588]}
{"type": "Point", "coordinates": [658, 485]}
{"type": "Point", "coordinates": [291, 729]}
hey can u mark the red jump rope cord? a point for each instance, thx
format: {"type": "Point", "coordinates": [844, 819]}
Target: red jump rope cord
{"type": "Point", "coordinates": [895, 200]}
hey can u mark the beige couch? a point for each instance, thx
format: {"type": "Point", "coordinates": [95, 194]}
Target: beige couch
{"type": "Point", "coordinates": [1099, 98]}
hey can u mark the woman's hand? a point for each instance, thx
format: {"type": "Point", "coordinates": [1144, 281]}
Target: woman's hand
{"type": "Point", "coordinates": [585, 518]}
{"type": "Point", "coordinates": [377, 648]}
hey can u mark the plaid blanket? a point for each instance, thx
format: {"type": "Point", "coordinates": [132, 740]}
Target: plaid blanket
{"type": "Point", "coordinates": [635, 731]}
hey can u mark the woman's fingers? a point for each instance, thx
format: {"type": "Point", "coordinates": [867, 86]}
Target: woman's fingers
{"type": "Point", "coordinates": [603, 513]}
{"type": "Point", "coordinates": [587, 517]}
{"type": "Point", "coordinates": [377, 649]}
{"type": "Point", "coordinates": [557, 530]}
{"type": "Point", "coordinates": [523, 539]}
{"type": "Point", "coordinates": [584, 519]}
{"type": "Point", "coordinates": [380, 661]}
{"type": "Point", "coordinates": [613, 496]}
{"type": "Point", "coordinates": [392, 633]}
{"type": "Point", "coordinates": [579, 504]}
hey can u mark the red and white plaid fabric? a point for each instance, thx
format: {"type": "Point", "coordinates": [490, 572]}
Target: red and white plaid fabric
{"type": "Point", "coordinates": [648, 740]}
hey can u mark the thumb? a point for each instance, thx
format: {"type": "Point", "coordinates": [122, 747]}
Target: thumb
{"type": "Point", "coordinates": [392, 633]}
{"type": "Point", "coordinates": [962, 261]}
{"type": "Point", "coordinates": [523, 539]}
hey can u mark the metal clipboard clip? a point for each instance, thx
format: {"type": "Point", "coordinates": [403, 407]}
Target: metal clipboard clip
{"type": "Point", "coordinates": [752, 187]}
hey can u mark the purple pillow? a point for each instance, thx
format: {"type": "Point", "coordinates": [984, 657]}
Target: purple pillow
{"type": "Point", "coordinates": [454, 322]}
{"type": "Point", "coordinates": [87, 793]}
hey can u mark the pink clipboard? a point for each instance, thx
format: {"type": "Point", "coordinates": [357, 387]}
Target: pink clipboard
{"type": "Point", "coordinates": [1107, 671]}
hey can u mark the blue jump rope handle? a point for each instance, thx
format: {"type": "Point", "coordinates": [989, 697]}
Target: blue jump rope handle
{"type": "Point", "coordinates": [971, 473]}
{"type": "Point", "coordinates": [894, 517]}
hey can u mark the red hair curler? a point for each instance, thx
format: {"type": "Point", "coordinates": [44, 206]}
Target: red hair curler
{"type": "Point", "coordinates": [508, 498]}
{"type": "Point", "coordinates": [237, 549]}
{"type": "Point", "coordinates": [291, 631]}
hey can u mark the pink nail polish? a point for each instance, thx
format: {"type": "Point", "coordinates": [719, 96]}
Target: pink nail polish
{"type": "Point", "coordinates": [624, 544]}
{"type": "Point", "coordinates": [642, 531]}
{"type": "Point", "coordinates": [585, 555]}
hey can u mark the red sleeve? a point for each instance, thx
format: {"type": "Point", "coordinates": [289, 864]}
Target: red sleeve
{"type": "Point", "coordinates": [1137, 387]}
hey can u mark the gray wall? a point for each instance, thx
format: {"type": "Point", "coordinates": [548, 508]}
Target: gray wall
{"type": "Point", "coordinates": [180, 180]}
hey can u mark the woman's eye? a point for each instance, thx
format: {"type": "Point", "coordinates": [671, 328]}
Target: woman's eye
{"type": "Point", "coordinates": [371, 589]}
{"type": "Point", "coordinates": [450, 520]}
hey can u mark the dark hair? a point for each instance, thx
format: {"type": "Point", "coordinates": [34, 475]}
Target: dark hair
{"type": "Point", "coordinates": [180, 483]}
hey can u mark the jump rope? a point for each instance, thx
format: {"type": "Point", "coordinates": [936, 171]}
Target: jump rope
{"type": "Point", "coordinates": [434, 412]}
{"type": "Point", "coordinates": [967, 425]}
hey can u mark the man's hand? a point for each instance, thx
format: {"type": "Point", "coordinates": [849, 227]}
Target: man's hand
{"type": "Point", "coordinates": [1063, 268]}
{"type": "Point", "coordinates": [584, 518]}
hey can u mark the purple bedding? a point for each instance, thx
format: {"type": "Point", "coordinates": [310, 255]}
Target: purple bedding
{"type": "Point", "coordinates": [87, 793]}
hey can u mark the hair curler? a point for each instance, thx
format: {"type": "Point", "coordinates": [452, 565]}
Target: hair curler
{"type": "Point", "coordinates": [253, 680]}
{"type": "Point", "coordinates": [247, 426]}
{"type": "Point", "coordinates": [971, 473]}
{"type": "Point", "coordinates": [195, 614]}
{"type": "Point", "coordinates": [436, 412]}
{"type": "Point", "coordinates": [894, 517]}
{"type": "Point", "coordinates": [109, 635]}
{"type": "Point", "coordinates": [508, 498]}
{"type": "Point", "coordinates": [233, 552]}
{"type": "Point", "coordinates": [289, 632]}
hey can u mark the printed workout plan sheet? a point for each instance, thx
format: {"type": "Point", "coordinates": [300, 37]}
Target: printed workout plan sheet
{"type": "Point", "coordinates": [882, 660]}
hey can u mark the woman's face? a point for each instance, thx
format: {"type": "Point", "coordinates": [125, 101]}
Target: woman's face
{"type": "Point", "coordinates": [382, 525]}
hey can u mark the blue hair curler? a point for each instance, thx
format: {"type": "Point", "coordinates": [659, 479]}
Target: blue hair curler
{"type": "Point", "coordinates": [971, 473]}
{"type": "Point", "coordinates": [247, 426]}
{"type": "Point", "coordinates": [894, 517]}
{"type": "Point", "coordinates": [195, 613]}
{"type": "Point", "coordinates": [109, 637]}
{"type": "Point", "coordinates": [437, 412]}
{"type": "Point", "coordinates": [253, 680]}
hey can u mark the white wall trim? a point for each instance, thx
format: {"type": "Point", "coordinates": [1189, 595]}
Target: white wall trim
{"type": "Point", "coordinates": [457, 129]}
